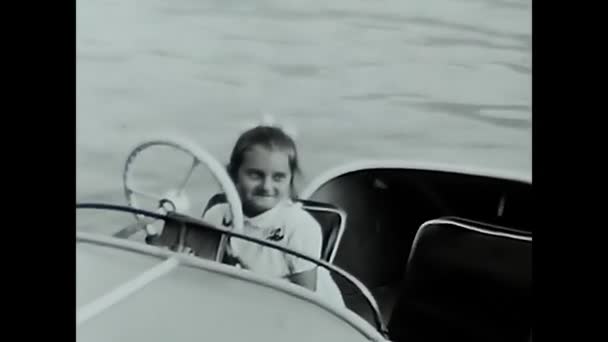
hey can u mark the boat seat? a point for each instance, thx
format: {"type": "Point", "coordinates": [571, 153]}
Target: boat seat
{"type": "Point", "coordinates": [465, 281]}
{"type": "Point", "coordinates": [331, 219]}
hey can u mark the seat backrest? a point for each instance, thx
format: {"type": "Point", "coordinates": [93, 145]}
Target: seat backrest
{"type": "Point", "coordinates": [465, 281]}
{"type": "Point", "coordinates": [331, 219]}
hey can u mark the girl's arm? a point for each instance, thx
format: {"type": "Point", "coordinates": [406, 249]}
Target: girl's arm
{"type": "Point", "coordinates": [308, 279]}
{"type": "Point", "coordinates": [306, 238]}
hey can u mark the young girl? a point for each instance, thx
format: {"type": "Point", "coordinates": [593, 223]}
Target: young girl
{"type": "Point", "coordinates": [263, 166]}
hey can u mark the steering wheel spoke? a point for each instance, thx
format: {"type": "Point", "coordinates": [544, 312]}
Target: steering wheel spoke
{"type": "Point", "coordinates": [147, 195]}
{"type": "Point", "coordinates": [182, 185]}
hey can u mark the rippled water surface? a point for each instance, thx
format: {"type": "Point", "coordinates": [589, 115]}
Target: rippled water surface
{"type": "Point", "coordinates": [434, 80]}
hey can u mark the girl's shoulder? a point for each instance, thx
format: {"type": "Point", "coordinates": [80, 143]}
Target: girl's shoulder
{"type": "Point", "coordinates": [294, 214]}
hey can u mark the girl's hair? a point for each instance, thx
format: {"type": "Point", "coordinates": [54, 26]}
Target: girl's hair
{"type": "Point", "coordinates": [271, 138]}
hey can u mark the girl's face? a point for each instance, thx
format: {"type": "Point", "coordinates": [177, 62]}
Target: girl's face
{"type": "Point", "coordinates": [263, 179]}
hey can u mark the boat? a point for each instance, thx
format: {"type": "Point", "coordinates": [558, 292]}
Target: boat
{"type": "Point", "coordinates": [420, 251]}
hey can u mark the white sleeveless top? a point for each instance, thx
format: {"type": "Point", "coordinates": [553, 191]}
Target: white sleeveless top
{"type": "Point", "coordinates": [288, 225]}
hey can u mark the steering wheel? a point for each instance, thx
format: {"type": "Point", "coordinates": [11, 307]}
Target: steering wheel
{"type": "Point", "coordinates": [173, 199]}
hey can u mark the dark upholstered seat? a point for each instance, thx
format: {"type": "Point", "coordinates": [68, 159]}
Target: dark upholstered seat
{"type": "Point", "coordinates": [465, 281]}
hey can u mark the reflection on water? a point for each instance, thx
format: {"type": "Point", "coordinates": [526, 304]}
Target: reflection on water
{"type": "Point", "coordinates": [439, 80]}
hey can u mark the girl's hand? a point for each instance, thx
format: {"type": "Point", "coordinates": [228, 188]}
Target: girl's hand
{"type": "Point", "coordinates": [231, 258]}
{"type": "Point", "coordinates": [241, 263]}
{"type": "Point", "coordinates": [234, 261]}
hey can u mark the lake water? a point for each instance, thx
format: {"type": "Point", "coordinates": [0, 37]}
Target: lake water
{"type": "Point", "coordinates": [435, 80]}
